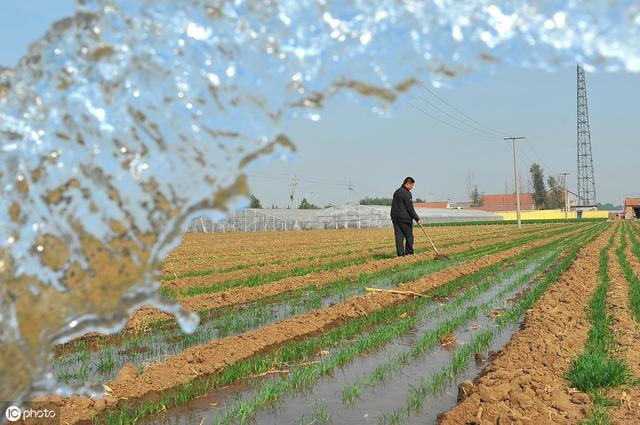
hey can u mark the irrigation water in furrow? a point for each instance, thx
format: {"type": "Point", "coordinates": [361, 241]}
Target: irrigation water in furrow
{"type": "Point", "coordinates": [79, 366]}
{"type": "Point", "coordinates": [372, 404]}
{"type": "Point", "coordinates": [140, 350]}
{"type": "Point", "coordinates": [329, 391]}
{"type": "Point", "coordinates": [247, 409]}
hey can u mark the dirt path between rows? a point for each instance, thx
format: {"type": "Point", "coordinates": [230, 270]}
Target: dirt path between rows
{"type": "Point", "coordinates": [627, 330]}
{"type": "Point", "coordinates": [364, 252]}
{"type": "Point", "coordinates": [139, 321]}
{"type": "Point", "coordinates": [187, 259]}
{"type": "Point", "coordinates": [525, 384]}
{"type": "Point", "coordinates": [204, 360]}
{"type": "Point", "coordinates": [204, 248]}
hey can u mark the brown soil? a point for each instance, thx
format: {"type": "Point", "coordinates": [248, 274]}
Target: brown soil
{"type": "Point", "coordinates": [367, 252]}
{"type": "Point", "coordinates": [141, 318]}
{"type": "Point", "coordinates": [208, 280]}
{"type": "Point", "coordinates": [525, 382]}
{"type": "Point", "coordinates": [203, 360]}
{"type": "Point", "coordinates": [633, 260]}
{"type": "Point", "coordinates": [626, 328]}
{"type": "Point", "coordinates": [199, 252]}
{"type": "Point", "coordinates": [259, 264]}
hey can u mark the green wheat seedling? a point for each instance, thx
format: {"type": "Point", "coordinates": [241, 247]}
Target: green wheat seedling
{"type": "Point", "coordinates": [350, 393]}
{"type": "Point", "coordinates": [479, 343]}
{"type": "Point", "coordinates": [341, 288]}
{"type": "Point", "coordinates": [247, 368]}
{"type": "Point", "coordinates": [632, 279]}
{"type": "Point", "coordinates": [289, 353]}
{"type": "Point", "coordinates": [106, 362]}
{"type": "Point", "coordinates": [261, 314]}
{"type": "Point", "coordinates": [258, 280]}
{"type": "Point", "coordinates": [596, 368]}
{"type": "Point", "coordinates": [430, 339]}
{"type": "Point", "coordinates": [298, 381]}
{"type": "Point", "coordinates": [320, 415]}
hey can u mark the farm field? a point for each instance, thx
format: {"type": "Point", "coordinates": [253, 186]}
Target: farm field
{"type": "Point", "coordinates": [530, 326]}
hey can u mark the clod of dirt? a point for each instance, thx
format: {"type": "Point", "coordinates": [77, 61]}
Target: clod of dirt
{"type": "Point", "coordinates": [448, 341]}
{"type": "Point", "coordinates": [128, 372]}
{"type": "Point", "coordinates": [496, 312]}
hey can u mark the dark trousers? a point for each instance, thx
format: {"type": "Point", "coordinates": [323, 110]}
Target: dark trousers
{"type": "Point", "coordinates": [404, 238]}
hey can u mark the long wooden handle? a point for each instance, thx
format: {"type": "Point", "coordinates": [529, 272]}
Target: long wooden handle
{"type": "Point", "coordinates": [430, 241]}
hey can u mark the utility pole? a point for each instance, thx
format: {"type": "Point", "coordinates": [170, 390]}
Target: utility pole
{"type": "Point", "coordinates": [566, 195]}
{"type": "Point", "coordinates": [350, 187]}
{"type": "Point", "coordinates": [515, 176]}
{"type": "Point", "coordinates": [292, 191]}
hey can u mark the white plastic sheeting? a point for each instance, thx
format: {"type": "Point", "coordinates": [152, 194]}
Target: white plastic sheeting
{"type": "Point", "coordinates": [348, 216]}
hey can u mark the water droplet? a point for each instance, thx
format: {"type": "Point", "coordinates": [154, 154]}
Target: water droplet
{"type": "Point", "coordinates": [197, 32]}
{"type": "Point", "coordinates": [188, 321]}
{"type": "Point", "coordinates": [365, 38]}
{"type": "Point", "coordinates": [214, 79]}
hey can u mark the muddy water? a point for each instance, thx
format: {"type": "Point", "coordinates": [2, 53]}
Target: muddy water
{"type": "Point", "coordinates": [374, 402]}
{"type": "Point", "coordinates": [392, 394]}
{"type": "Point", "coordinates": [142, 350]}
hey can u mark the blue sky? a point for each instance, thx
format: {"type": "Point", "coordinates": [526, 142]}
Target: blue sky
{"type": "Point", "coordinates": [350, 143]}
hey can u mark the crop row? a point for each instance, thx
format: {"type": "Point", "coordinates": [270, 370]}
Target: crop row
{"type": "Point", "coordinates": [370, 314]}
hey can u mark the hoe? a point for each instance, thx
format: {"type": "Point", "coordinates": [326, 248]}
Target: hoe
{"type": "Point", "coordinates": [438, 255]}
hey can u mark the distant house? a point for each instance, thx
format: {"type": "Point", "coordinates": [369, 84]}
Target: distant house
{"type": "Point", "coordinates": [463, 205]}
{"type": "Point", "coordinates": [442, 204]}
{"type": "Point", "coordinates": [507, 202]}
{"type": "Point", "coordinates": [632, 208]}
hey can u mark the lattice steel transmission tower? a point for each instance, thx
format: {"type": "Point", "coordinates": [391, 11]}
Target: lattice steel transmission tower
{"type": "Point", "coordinates": [586, 181]}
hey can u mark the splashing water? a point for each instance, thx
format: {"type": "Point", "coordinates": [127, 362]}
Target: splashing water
{"type": "Point", "coordinates": [129, 118]}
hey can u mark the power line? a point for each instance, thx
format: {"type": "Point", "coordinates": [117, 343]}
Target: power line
{"type": "Point", "coordinates": [536, 154]}
{"type": "Point", "coordinates": [449, 124]}
{"type": "Point", "coordinates": [501, 133]}
{"type": "Point", "coordinates": [279, 176]}
{"type": "Point", "coordinates": [459, 120]}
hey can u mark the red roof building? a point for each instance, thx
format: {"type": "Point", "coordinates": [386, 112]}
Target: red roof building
{"type": "Point", "coordinates": [507, 202]}
{"type": "Point", "coordinates": [632, 207]}
{"type": "Point", "coordinates": [443, 204]}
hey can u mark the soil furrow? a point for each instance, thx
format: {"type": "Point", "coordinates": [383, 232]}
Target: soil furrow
{"type": "Point", "coordinates": [261, 269]}
{"type": "Point", "coordinates": [625, 327]}
{"type": "Point", "coordinates": [525, 382]}
{"type": "Point", "coordinates": [243, 295]}
{"type": "Point", "coordinates": [322, 257]}
{"type": "Point", "coordinates": [628, 337]}
{"type": "Point", "coordinates": [203, 360]}
{"type": "Point", "coordinates": [210, 248]}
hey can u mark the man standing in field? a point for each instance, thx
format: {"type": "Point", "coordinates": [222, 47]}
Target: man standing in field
{"type": "Point", "coordinates": [402, 216]}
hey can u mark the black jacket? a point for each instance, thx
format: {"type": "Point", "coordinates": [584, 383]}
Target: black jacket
{"type": "Point", "coordinates": [402, 206]}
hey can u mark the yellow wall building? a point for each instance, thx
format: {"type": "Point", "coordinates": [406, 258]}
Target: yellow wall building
{"type": "Point", "coordinates": [550, 215]}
